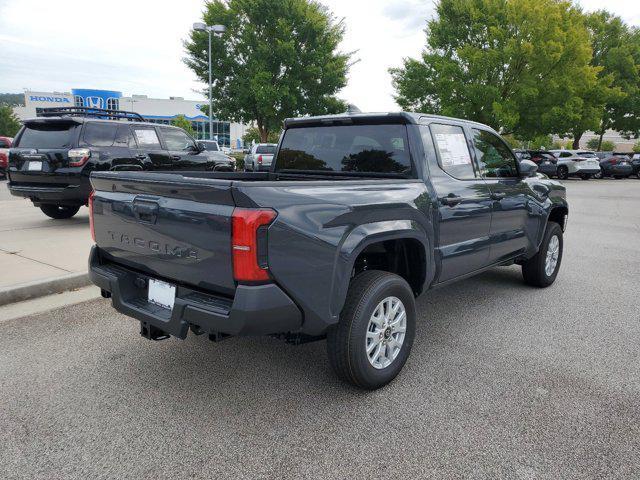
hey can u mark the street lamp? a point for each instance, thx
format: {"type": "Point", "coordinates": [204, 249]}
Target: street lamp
{"type": "Point", "coordinates": [215, 30]}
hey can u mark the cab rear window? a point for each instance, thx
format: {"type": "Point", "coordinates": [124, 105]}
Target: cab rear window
{"type": "Point", "coordinates": [348, 148]}
{"type": "Point", "coordinates": [46, 136]}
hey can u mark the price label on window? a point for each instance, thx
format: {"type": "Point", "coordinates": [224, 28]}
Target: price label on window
{"type": "Point", "coordinates": [453, 149]}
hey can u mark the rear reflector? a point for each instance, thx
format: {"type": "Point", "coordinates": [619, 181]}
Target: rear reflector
{"type": "Point", "coordinates": [79, 156]}
{"type": "Point", "coordinates": [91, 227]}
{"type": "Point", "coordinates": [247, 243]}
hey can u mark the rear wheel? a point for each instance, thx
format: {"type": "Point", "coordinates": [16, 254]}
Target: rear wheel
{"type": "Point", "coordinates": [563, 172]}
{"type": "Point", "coordinates": [59, 212]}
{"type": "Point", "coordinates": [373, 338]}
{"type": "Point", "coordinates": [542, 269]}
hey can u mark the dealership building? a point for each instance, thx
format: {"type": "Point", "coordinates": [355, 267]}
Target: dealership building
{"type": "Point", "coordinates": [156, 110]}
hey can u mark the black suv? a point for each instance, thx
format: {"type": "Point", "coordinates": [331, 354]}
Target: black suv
{"type": "Point", "coordinates": [54, 154]}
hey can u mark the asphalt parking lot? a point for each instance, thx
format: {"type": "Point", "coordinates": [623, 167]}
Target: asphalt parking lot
{"type": "Point", "coordinates": [504, 381]}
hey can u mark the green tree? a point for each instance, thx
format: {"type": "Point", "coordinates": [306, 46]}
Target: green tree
{"type": "Point", "coordinates": [616, 52]}
{"type": "Point", "coordinates": [182, 122]}
{"type": "Point", "coordinates": [636, 147]}
{"type": "Point", "coordinates": [9, 123]}
{"type": "Point", "coordinates": [521, 66]}
{"type": "Point", "coordinates": [277, 59]}
{"type": "Point", "coordinates": [607, 146]}
{"type": "Point", "coordinates": [253, 135]}
{"type": "Point", "coordinates": [593, 144]}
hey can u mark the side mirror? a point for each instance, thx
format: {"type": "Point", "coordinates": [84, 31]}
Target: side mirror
{"type": "Point", "coordinates": [528, 168]}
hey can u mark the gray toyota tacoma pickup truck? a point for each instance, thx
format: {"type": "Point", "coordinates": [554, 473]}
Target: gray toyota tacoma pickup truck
{"type": "Point", "coordinates": [359, 214]}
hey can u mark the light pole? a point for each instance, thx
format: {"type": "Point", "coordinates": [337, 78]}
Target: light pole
{"type": "Point", "coordinates": [216, 30]}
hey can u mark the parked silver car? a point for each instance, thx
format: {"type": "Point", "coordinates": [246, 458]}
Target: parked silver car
{"type": "Point", "coordinates": [577, 163]}
{"type": "Point", "coordinates": [259, 157]}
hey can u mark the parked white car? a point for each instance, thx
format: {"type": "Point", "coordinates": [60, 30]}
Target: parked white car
{"type": "Point", "coordinates": [576, 163]}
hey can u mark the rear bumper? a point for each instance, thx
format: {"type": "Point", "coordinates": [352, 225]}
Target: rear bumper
{"type": "Point", "coordinates": [63, 195]}
{"type": "Point", "coordinates": [586, 171]}
{"type": "Point", "coordinates": [255, 310]}
{"type": "Point", "coordinates": [621, 170]}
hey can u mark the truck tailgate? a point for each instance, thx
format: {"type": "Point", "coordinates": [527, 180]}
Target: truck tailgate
{"type": "Point", "coordinates": [153, 225]}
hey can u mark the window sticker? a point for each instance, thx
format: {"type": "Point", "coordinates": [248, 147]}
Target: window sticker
{"type": "Point", "coordinates": [453, 149]}
{"type": "Point", "coordinates": [147, 136]}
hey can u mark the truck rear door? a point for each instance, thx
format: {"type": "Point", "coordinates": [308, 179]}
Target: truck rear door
{"type": "Point", "coordinates": [167, 226]}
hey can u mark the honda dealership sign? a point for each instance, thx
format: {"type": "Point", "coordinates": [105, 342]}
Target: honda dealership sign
{"type": "Point", "coordinates": [35, 100]}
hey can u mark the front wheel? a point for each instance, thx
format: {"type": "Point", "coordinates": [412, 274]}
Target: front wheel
{"type": "Point", "coordinates": [542, 269]}
{"type": "Point", "coordinates": [372, 340]}
{"type": "Point", "coordinates": [563, 173]}
{"type": "Point", "coordinates": [59, 212]}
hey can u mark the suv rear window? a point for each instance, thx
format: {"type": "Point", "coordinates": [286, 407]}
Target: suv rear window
{"type": "Point", "coordinates": [52, 135]}
{"type": "Point", "coordinates": [266, 149]}
{"type": "Point", "coordinates": [348, 148]}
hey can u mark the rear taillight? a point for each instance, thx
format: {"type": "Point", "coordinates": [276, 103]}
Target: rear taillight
{"type": "Point", "coordinates": [260, 159]}
{"type": "Point", "coordinates": [613, 161]}
{"type": "Point", "coordinates": [248, 243]}
{"type": "Point", "coordinates": [4, 160]}
{"type": "Point", "coordinates": [91, 227]}
{"type": "Point", "coordinates": [78, 156]}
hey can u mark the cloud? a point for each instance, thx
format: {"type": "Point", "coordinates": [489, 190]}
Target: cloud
{"type": "Point", "coordinates": [410, 14]}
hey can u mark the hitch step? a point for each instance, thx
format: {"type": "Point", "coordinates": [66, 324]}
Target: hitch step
{"type": "Point", "coordinates": [152, 333]}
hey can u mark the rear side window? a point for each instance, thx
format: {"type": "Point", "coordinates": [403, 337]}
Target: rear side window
{"type": "Point", "coordinates": [348, 148]}
{"type": "Point", "coordinates": [453, 151]}
{"type": "Point", "coordinates": [53, 135]}
{"type": "Point", "coordinates": [147, 137]}
{"type": "Point", "coordinates": [266, 149]}
{"type": "Point", "coordinates": [124, 137]}
{"type": "Point", "coordinates": [495, 158]}
{"type": "Point", "coordinates": [99, 134]}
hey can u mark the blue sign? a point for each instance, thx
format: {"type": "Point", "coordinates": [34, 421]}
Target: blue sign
{"type": "Point", "coordinates": [96, 98]}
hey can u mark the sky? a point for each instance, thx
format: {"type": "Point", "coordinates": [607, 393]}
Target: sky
{"type": "Point", "coordinates": [135, 46]}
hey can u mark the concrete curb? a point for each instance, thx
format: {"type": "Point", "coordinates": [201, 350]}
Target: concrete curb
{"type": "Point", "coordinates": [40, 288]}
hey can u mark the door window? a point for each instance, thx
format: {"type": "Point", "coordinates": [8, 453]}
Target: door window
{"type": "Point", "coordinates": [147, 137]}
{"type": "Point", "coordinates": [494, 157]}
{"type": "Point", "coordinates": [176, 139]}
{"type": "Point", "coordinates": [453, 151]}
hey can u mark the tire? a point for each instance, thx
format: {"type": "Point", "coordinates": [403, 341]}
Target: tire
{"type": "Point", "coordinates": [59, 212]}
{"type": "Point", "coordinates": [534, 270]}
{"type": "Point", "coordinates": [369, 293]}
{"type": "Point", "coordinates": [598, 175]}
{"type": "Point", "coordinates": [563, 172]}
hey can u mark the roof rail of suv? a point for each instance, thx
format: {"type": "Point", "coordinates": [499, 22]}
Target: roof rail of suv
{"type": "Point", "coordinates": [89, 112]}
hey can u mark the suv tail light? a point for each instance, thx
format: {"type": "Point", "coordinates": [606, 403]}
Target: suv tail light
{"type": "Point", "coordinates": [91, 227]}
{"type": "Point", "coordinates": [4, 160]}
{"type": "Point", "coordinates": [248, 243]}
{"type": "Point", "coordinates": [78, 156]}
{"type": "Point", "coordinates": [260, 159]}
{"type": "Point", "coordinates": [613, 161]}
